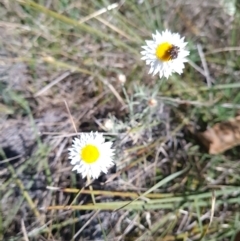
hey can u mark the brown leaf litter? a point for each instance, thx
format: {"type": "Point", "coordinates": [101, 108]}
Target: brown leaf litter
{"type": "Point", "coordinates": [221, 137]}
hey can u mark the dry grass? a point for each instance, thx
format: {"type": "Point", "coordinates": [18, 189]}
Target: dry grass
{"type": "Point", "coordinates": [164, 186]}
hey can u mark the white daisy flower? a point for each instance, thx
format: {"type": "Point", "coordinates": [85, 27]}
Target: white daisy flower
{"type": "Point", "coordinates": [165, 54]}
{"type": "Point", "coordinates": [91, 155]}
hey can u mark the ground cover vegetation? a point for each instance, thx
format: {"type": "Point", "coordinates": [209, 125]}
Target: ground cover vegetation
{"type": "Point", "coordinates": [75, 66]}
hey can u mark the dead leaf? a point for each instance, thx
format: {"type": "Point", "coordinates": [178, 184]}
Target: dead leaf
{"type": "Point", "coordinates": [221, 137]}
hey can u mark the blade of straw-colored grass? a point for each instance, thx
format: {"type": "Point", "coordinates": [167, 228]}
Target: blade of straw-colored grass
{"type": "Point", "coordinates": [225, 49]}
{"type": "Point", "coordinates": [24, 231]}
{"type": "Point", "coordinates": [75, 23]}
{"type": "Point", "coordinates": [159, 184]}
{"type": "Point", "coordinates": [212, 207]}
{"type": "Point", "coordinates": [201, 203]}
{"type": "Point", "coordinates": [99, 12]}
{"type": "Point", "coordinates": [129, 27]}
{"type": "Point", "coordinates": [204, 88]}
{"type": "Point", "coordinates": [110, 193]}
{"type": "Point", "coordinates": [211, 217]}
{"type": "Point", "coordinates": [114, 28]}
{"type": "Point", "coordinates": [196, 67]}
{"type": "Point", "coordinates": [164, 202]}
{"type": "Point", "coordinates": [70, 116]}
{"type": "Point", "coordinates": [85, 225]}
{"type": "Point", "coordinates": [89, 182]}
{"type": "Point", "coordinates": [52, 83]}
{"type": "Point", "coordinates": [10, 159]}
{"type": "Point", "coordinates": [114, 91]}
{"type": "Point", "coordinates": [139, 205]}
{"type": "Point", "coordinates": [129, 227]}
{"type": "Point", "coordinates": [221, 87]}
{"type": "Point", "coordinates": [168, 197]}
{"type": "Point", "coordinates": [206, 70]}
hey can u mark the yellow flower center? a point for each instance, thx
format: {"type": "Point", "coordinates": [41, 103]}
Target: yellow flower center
{"type": "Point", "coordinates": [90, 154]}
{"type": "Point", "coordinates": [166, 51]}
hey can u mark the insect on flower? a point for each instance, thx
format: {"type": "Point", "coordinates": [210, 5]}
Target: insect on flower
{"type": "Point", "coordinates": [173, 52]}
